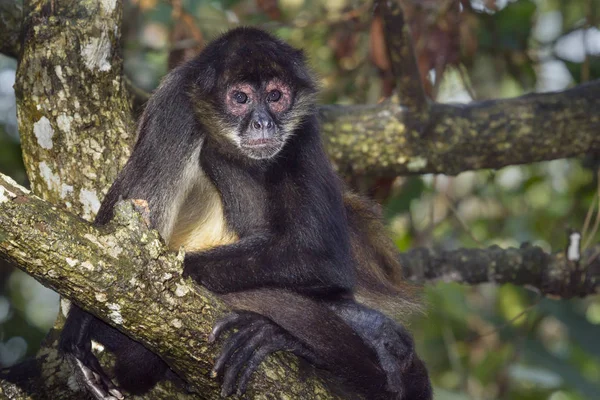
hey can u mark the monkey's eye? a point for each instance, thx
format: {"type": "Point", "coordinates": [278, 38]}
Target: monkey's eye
{"type": "Point", "coordinates": [274, 96]}
{"type": "Point", "coordinates": [240, 97]}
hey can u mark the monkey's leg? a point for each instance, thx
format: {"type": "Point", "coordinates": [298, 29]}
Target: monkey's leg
{"type": "Point", "coordinates": [306, 327]}
{"type": "Point", "coordinates": [76, 344]}
{"type": "Point", "coordinates": [406, 374]}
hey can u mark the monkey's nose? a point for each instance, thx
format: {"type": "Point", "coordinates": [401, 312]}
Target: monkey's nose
{"type": "Point", "coordinates": [262, 122]}
{"type": "Point", "coordinates": [262, 126]}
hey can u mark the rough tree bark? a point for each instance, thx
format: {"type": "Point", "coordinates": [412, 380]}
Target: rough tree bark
{"type": "Point", "coordinates": [73, 110]}
{"type": "Point", "coordinates": [76, 129]}
{"type": "Point", "coordinates": [384, 140]}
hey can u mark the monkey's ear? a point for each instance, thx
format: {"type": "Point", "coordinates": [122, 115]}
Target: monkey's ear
{"type": "Point", "coordinates": [205, 81]}
{"type": "Point", "coordinates": [301, 71]}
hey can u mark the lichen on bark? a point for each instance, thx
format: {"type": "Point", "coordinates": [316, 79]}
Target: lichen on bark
{"type": "Point", "coordinates": [388, 140]}
{"type": "Point", "coordinates": [69, 83]}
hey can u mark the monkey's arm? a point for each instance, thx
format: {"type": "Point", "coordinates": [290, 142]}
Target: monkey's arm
{"type": "Point", "coordinates": [259, 261]}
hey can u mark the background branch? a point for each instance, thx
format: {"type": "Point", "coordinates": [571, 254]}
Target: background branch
{"type": "Point", "coordinates": [550, 274]}
{"type": "Point", "coordinates": [388, 140]}
{"type": "Point", "coordinates": [382, 140]}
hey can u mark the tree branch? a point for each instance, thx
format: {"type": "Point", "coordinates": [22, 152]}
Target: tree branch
{"type": "Point", "coordinates": [382, 140]}
{"type": "Point", "coordinates": [75, 123]}
{"type": "Point", "coordinates": [387, 140]}
{"type": "Point", "coordinates": [11, 14]}
{"type": "Point", "coordinates": [550, 274]}
{"type": "Point", "coordinates": [124, 274]}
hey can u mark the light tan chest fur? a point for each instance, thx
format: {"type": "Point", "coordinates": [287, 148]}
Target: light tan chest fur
{"type": "Point", "coordinates": [201, 223]}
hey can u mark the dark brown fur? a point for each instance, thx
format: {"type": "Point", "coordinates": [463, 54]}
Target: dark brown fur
{"type": "Point", "coordinates": [244, 184]}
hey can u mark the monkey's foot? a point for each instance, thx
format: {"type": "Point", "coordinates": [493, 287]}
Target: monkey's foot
{"type": "Point", "coordinates": [242, 353]}
{"type": "Point", "coordinates": [96, 381]}
{"type": "Point", "coordinates": [392, 344]}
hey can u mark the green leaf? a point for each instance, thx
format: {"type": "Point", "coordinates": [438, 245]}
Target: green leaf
{"type": "Point", "coordinates": [400, 202]}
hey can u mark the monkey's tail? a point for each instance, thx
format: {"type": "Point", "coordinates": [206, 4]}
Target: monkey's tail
{"type": "Point", "coordinates": [380, 282]}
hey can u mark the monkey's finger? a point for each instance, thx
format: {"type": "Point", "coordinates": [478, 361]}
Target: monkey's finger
{"type": "Point", "coordinates": [101, 377]}
{"type": "Point", "coordinates": [89, 378]}
{"type": "Point", "coordinates": [279, 342]}
{"type": "Point", "coordinates": [235, 342]}
{"type": "Point", "coordinates": [261, 337]}
{"type": "Point", "coordinates": [231, 320]}
{"type": "Point", "coordinates": [222, 325]}
{"type": "Point", "coordinates": [117, 393]}
{"type": "Point", "coordinates": [252, 365]}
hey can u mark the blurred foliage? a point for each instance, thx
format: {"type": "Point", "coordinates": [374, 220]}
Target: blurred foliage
{"type": "Point", "coordinates": [484, 342]}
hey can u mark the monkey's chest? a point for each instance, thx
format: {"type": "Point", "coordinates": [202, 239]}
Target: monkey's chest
{"type": "Point", "coordinates": [201, 223]}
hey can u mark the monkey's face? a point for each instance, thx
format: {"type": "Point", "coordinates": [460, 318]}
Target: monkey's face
{"type": "Point", "coordinates": [259, 117]}
{"type": "Point", "coordinates": [252, 91]}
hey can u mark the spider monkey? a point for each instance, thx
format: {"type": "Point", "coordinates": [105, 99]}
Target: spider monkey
{"type": "Point", "coordinates": [230, 160]}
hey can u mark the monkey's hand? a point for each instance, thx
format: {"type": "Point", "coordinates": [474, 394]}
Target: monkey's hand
{"type": "Point", "coordinates": [243, 351]}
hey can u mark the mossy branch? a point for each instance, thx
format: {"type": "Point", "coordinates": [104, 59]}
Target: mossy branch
{"type": "Point", "coordinates": [125, 275]}
{"type": "Point", "coordinates": [73, 107]}
{"type": "Point", "coordinates": [384, 141]}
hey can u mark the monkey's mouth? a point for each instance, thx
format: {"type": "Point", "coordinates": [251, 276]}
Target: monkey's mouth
{"type": "Point", "coordinates": [261, 148]}
{"type": "Point", "coordinates": [261, 142]}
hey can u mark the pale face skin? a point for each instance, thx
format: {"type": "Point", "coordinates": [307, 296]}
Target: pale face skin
{"type": "Point", "coordinates": [260, 113]}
